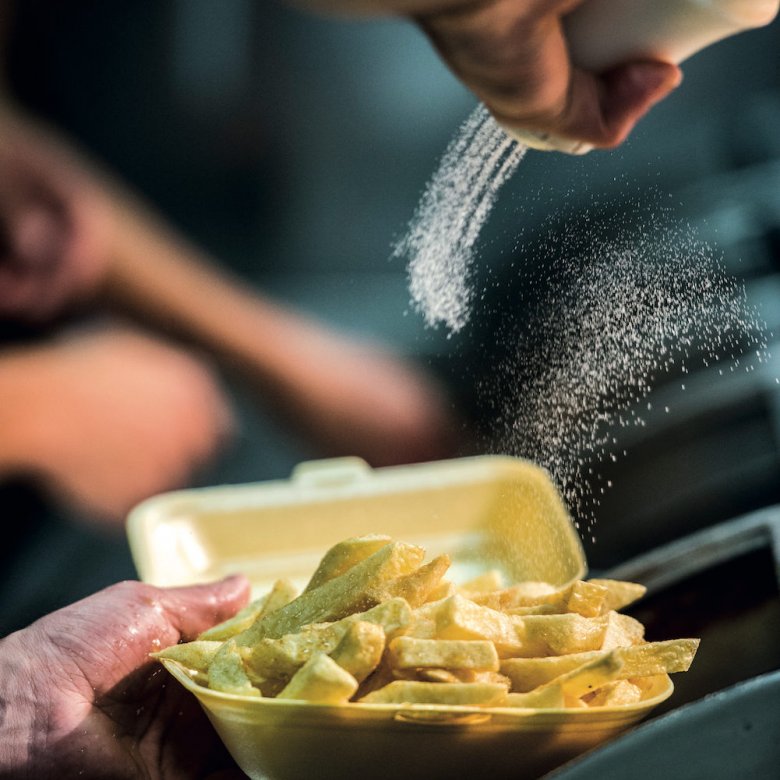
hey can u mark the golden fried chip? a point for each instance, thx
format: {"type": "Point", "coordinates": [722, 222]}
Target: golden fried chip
{"type": "Point", "coordinates": [280, 658]}
{"type": "Point", "coordinates": [443, 590]}
{"type": "Point", "coordinates": [320, 680]}
{"type": "Point", "coordinates": [568, 688]}
{"type": "Point", "coordinates": [459, 618]}
{"type": "Point", "coordinates": [620, 593]}
{"type": "Point", "coordinates": [410, 653]}
{"type": "Point", "coordinates": [417, 586]}
{"type": "Point", "coordinates": [282, 592]}
{"type": "Point", "coordinates": [488, 581]}
{"type": "Point", "coordinates": [365, 585]}
{"type": "Point", "coordinates": [614, 694]}
{"type": "Point", "coordinates": [621, 631]}
{"type": "Point", "coordinates": [524, 594]}
{"type": "Point", "coordinates": [360, 649]}
{"type": "Point", "coordinates": [559, 634]}
{"type": "Point", "coordinates": [194, 656]}
{"type": "Point", "coordinates": [587, 599]}
{"type": "Point", "coordinates": [651, 658]}
{"type": "Point", "coordinates": [344, 556]}
{"type": "Point", "coordinates": [227, 673]}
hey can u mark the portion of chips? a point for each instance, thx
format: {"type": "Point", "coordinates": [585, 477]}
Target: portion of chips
{"type": "Point", "coordinates": [377, 625]}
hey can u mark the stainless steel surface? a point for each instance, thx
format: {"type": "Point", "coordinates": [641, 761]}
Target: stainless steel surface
{"type": "Point", "coordinates": [731, 734]}
{"type": "Point", "coordinates": [673, 562]}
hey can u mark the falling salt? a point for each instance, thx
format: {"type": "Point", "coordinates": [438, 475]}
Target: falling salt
{"type": "Point", "coordinates": [619, 308]}
{"type": "Point", "coordinates": [601, 325]}
{"type": "Point", "coordinates": [440, 243]}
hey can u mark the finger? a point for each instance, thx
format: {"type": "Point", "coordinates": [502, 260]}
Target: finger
{"type": "Point", "coordinates": [631, 90]}
{"type": "Point", "coordinates": [601, 111]}
{"type": "Point", "coordinates": [193, 609]}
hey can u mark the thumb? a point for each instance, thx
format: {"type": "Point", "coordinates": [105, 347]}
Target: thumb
{"type": "Point", "coordinates": [193, 609]}
{"type": "Point", "coordinates": [630, 91]}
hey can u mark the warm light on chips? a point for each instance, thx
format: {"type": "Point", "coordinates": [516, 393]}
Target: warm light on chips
{"type": "Point", "coordinates": [377, 625]}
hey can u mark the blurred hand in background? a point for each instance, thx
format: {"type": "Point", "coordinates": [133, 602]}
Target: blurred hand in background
{"type": "Point", "coordinates": [55, 223]}
{"type": "Point", "coordinates": [115, 417]}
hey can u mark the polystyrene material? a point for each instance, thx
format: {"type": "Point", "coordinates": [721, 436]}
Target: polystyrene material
{"type": "Point", "coordinates": [605, 33]}
{"type": "Point", "coordinates": [487, 512]}
{"type": "Point", "coordinates": [275, 739]}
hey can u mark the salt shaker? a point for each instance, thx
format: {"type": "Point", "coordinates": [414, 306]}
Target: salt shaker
{"type": "Point", "coordinates": [605, 33]}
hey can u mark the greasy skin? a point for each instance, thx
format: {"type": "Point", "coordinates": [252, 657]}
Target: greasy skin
{"type": "Point", "coordinates": [81, 697]}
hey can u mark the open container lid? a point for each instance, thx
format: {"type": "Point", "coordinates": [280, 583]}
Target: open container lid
{"type": "Point", "coordinates": [486, 512]}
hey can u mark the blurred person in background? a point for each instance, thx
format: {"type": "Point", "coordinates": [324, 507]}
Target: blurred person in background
{"type": "Point", "coordinates": [103, 416]}
{"type": "Point", "coordinates": [72, 236]}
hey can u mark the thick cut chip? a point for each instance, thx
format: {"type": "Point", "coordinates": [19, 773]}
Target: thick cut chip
{"type": "Point", "coordinates": [614, 694]}
{"type": "Point", "coordinates": [586, 599]}
{"type": "Point", "coordinates": [417, 586]}
{"type": "Point", "coordinates": [459, 618]}
{"type": "Point", "coordinates": [320, 680]}
{"type": "Point", "coordinates": [282, 592]}
{"type": "Point", "coordinates": [443, 590]}
{"type": "Point", "coordinates": [365, 585]}
{"type": "Point", "coordinates": [227, 673]}
{"type": "Point", "coordinates": [621, 631]}
{"type": "Point", "coordinates": [235, 625]}
{"type": "Point", "coordinates": [524, 594]}
{"type": "Point", "coordinates": [452, 694]}
{"type": "Point", "coordinates": [194, 656]}
{"type": "Point", "coordinates": [344, 556]}
{"type": "Point", "coordinates": [578, 682]}
{"type": "Point", "coordinates": [620, 593]}
{"type": "Point", "coordinates": [590, 676]}
{"type": "Point", "coordinates": [651, 658]}
{"type": "Point", "coordinates": [281, 658]}
{"type": "Point", "coordinates": [488, 581]}
{"type": "Point", "coordinates": [274, 659]}
{"type": "Point", "coordinates": [360, 649]}
{"type": "Point", "coordinates": [412, 653]}
{"type": "Point", "coordinates": [559, 634]}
